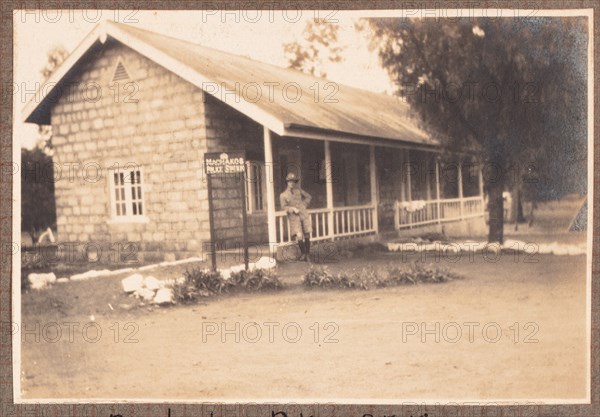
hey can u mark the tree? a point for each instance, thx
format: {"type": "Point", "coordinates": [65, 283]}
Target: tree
{"type": "Point", "coordinates": [320, 42]}
{"type": "Point", "coordinates": [511, 90]}
{"type": "Point", "coordinates": [38, 206]}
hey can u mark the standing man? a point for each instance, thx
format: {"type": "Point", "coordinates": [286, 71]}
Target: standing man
{"type": "Point", "coordinates": [294, 201]}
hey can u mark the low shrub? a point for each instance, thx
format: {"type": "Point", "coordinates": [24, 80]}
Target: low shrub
{"type": "Point", "coordinates": [417, 272]}
{"type": "Point", "coordinates": [202, 283]}
{"type": "Point", "coordinates": [370, 277]}
{"type": "Point", "coordinates": [363, 278]}
{"type": "Point", "coordinates": [255, 280]}
{"type": "Point", "coordinates": [198, 283]}
{"type": "Point", "coordinates": [319, 276]}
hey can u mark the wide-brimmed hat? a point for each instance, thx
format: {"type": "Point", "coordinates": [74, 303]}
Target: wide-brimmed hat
{"type": "Point", "coordinates": [291, 177]}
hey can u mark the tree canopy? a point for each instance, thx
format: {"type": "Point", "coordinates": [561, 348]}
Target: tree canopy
{"type": "Point", "coordinates": [514, 91]}
{"type": "Point", "coordinates": [318, 45]}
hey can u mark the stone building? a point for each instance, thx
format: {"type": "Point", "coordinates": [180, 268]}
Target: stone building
{"type": "Point", "coordinates": [135, 112]}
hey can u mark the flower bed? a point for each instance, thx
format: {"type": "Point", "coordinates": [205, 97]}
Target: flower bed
{"type": "Point", "coordinates": [372, 277]}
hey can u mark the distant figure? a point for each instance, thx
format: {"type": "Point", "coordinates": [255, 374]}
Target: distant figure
{"type": "Point", "coordinates": [294, 201]}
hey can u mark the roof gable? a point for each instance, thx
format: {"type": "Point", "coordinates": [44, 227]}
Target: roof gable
{"type": "Point", "coordinates": [283, 100]}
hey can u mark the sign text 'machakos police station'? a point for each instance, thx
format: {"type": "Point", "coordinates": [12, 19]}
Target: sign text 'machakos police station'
{"type": "Point", "coordinates": [224, 163]}
{"type": "Point", "coordinates": [221, 164]}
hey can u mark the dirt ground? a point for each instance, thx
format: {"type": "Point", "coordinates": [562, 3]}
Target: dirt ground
{"type": "Point", "coordinates": [180, 352]}
{"type": "Point", "coordinates": [372, 345]}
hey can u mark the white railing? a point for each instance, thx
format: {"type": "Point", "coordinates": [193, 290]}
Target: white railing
{"type": "Point", "coordinates": [473, 207]}
{"type": "Point", "coordinates": [438, 211]}
{"type": "Point", "coordinates": [349, 221]}
{"type": "Point", "coordinates": [346, 222]}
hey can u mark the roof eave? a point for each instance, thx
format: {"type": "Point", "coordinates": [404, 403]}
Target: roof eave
{"type": "Point", "coordinates": [311, 132]}
{"type": "Point", "coordinates": [38, 109]}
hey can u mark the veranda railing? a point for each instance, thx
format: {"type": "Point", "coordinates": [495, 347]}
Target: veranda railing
{"type": "Point", "coordinates": [408, 215]}
{"type": "Point", "coordinates": [331, 223]}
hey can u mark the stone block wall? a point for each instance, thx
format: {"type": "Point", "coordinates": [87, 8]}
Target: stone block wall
{"type": "Point", "coordinates": [154, 120]}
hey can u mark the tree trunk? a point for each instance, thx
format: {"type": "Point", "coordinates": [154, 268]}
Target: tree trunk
{"type": "Point", "coordinates": [531, 214]}
{"type": "Point", "coordinates": [520, 212]}
{"type": "Point", "coordinates": [496, 212]}
{"type": "Point", "coordinates": [514, 209]}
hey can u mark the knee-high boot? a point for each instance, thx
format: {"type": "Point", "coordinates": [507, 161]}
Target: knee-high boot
{"type": "Point", "coordinates": [302, 247]}
{"type": "Point", "coordinates": [307, 248]}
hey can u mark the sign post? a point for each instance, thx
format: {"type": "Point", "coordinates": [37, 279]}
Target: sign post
{"type": "Point", "coordinates": [211, 220]}
{"type": "Point", "coordinates": [244, 222]}
{"type": "Point", "coordinates": [224, 164]}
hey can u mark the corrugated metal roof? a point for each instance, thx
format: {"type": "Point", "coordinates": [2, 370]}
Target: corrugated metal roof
{"type": "Point", "coordinates": [350, 111]}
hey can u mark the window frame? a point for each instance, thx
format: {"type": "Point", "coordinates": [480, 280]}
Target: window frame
{"type": "Point", "coordinates": [129, 217]}
{"type": "Point", "coordinates": [250, 202]}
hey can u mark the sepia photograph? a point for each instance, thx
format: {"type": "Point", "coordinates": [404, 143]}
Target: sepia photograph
{"type": "Point", "coordinates": [283, 205]}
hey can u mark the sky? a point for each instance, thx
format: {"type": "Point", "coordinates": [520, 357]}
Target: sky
{"type": "Point", "coordinates": [257, 34]}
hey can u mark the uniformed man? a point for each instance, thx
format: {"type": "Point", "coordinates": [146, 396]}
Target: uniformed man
{"type": "Point", "coordinates": [294, 201]}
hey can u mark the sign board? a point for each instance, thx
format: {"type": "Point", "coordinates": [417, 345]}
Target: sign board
{"type": "Point", "coordinates": [224, 164]}
{"type": "Point", "coordinates": [216, 163]}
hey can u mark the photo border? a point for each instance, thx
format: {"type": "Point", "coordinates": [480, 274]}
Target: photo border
{"type": "Point", "coordinates": [158, 408]}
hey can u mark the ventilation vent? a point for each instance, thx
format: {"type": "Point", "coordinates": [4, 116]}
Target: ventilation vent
{"type": "Point", "coordinates": [120, 73]}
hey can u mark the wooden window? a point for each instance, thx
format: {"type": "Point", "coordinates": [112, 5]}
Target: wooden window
{"type": "Point", "coordinates": [120, 203]}
{"type": "Point", "coordinates": [127, 195]}
{"type": "Point", "coordinates": [255, 186]}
